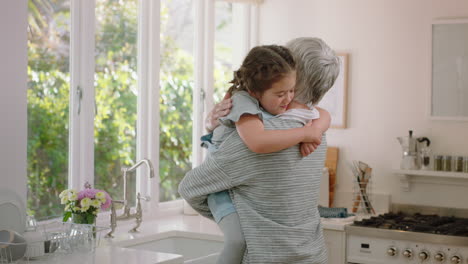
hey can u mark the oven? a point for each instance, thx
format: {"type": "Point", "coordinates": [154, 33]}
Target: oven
{"type": "Point", "coordinates": [408, 238]}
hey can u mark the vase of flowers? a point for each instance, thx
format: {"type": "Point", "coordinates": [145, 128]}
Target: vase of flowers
{"type": "Point", "coordinates": [83, 206]}
{"type": "Point", "coordinates": [83, 218]}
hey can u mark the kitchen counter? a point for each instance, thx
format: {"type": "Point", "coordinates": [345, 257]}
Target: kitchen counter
{"type": "Point", "coordinates": [110, 250]}
{"type": "Point", "coordinates": [337, 224]}
{"type": "Point", "coordinates": [114, 255]}
{"type": "Point", "coordinates": [195, 224]}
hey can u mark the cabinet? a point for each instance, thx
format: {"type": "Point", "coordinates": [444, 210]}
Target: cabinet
{"type": "Point", "coordinates": [335, 240]}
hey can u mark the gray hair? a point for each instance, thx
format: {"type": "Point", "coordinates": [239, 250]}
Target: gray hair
{"type": "Point", "coordinates": [317, 68]}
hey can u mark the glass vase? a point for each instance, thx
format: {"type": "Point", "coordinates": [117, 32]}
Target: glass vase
{"type": "Point", "coordinates": [85, 219]}
{"type": "Point", "coordinates": [88, 219]}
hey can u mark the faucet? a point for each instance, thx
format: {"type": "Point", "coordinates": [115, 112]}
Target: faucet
{"type": "Point", "coordinates": [138, 215]}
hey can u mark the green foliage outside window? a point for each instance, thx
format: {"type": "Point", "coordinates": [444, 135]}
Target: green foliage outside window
{"type": "Point", "coordinates": [48, 106]}
{"type": "Point", "coordinates": [115, 129]}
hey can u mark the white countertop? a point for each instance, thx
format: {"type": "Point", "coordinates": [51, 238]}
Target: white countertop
{"type": "Point", "coordinates": [111, 250]}
{"type": "Point", "coordinates": [114, 255]}
{"type": "Point", "coordinates": [337, 224]}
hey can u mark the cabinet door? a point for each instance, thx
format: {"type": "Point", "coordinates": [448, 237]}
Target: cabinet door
{"type": "Point", "coordinates": [335, 242]}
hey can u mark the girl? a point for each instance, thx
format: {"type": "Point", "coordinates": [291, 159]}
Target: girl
{"type": "Point", "coordinates": [263, 87]}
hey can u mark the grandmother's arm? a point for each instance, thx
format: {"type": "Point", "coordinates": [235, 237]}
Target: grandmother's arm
{"type": "Point", "coordinates": [226, 169]}
{"type": "Point", "coordinates": [220, 109]}
{"type": "Point", "coordinates": [205, 179]}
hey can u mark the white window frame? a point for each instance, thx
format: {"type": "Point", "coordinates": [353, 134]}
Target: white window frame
{"type": "Point", "coordinates": [82, 102]}
{"type": "Point", "coordinates": [245, 15]}
{"type": "Point", "coordinates": [81, 158]}
{"type": "Point", "coordinates": [148, 99]}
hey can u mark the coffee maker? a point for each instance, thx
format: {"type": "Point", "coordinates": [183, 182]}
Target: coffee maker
{"type": "Point", "coordinates": [415, 152]}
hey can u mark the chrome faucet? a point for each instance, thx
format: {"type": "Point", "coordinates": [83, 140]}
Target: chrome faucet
{"type": "Point", "coordinates": [138, 215]}
{"type": "Point", "coordinates": [149, 166]}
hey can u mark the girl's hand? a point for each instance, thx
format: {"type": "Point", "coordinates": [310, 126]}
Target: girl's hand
{"type": "Point", "coordinates": [219, 110]}
{"type": "Point", "coordinates": [314, 131]}
{"type": "Point", "coordinates": [312, 134]}
{"type": "Point", "coordinates": [307, 148]}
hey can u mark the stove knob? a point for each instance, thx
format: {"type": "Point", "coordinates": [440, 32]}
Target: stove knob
{"type": "Point", "coordinates": [423, 255]}
{"type": "Point", "coordinates": [408, 253]}
{"type": "Point", "coordinates": [455, 260]}
{"type": "Point", "coordinates": [391, 251]}
{"type": "Point", "coordinates": [439, 257]}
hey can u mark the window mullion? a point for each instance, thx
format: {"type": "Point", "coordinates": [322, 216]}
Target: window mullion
{"type": "Point", "coordinates": [148, 98]}
{"type": "Point", "coordinates": [204, 79]}
{"type": "Point", "coordinates": [254, 16]}
{"type": "Point", "coordinates": [82, 108]}
{"type": "Point", "coordinates": [142, 98]}
{"type": "Point", "coordinates": [241, 32]}
{"type": "Point", "coordinates": [199, 56]}
{"type": "Point", "coordinates": [209, 58]}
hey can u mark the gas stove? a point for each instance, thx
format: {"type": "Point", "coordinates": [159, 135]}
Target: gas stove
{"type": "Point", "coordinates": [431, 224]}
{"type": "Point", "coordinates": [408, 238]}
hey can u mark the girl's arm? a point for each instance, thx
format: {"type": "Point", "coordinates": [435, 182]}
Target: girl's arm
{"type": "Point", "coordinates": [321, 124]}
{"type": "Point", "coordinates": [253, 133]}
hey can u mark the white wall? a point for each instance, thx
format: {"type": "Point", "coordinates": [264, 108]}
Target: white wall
{"type": "Point", "coordinates": [13, 76]}
{"type": "Point", "coordinates": [389, 82]}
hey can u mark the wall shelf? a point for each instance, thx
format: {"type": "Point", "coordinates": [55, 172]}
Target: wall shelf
{"type": "Point", "coordinates": [407, 177]}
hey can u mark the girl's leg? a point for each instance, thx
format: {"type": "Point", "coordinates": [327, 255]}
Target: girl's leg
{"type": "Point", "coordinates": [234, 242]}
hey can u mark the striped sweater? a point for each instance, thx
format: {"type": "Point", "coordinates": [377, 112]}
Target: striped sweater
{"type": "Point", "coordinates": [274, 194]}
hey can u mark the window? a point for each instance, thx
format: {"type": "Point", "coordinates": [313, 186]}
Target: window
{"type": "Point", "coordinates": [48, 107]}
{"type": "Point", "coordinates": [115, 95]}
{"type": "Point", "coordinates": [115, 81]}
{"type": "Point", "coordinates": [176, 84]}
{"type": "Point", "coordinates": [223, 49]}
{"type": "Point", "coordinates": [234, 36]}
{"type": "Point", "coordinates": [87, 134]}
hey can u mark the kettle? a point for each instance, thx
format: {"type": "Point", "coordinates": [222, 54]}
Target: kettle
{"type": "Point", "coordinates": [410, 148]}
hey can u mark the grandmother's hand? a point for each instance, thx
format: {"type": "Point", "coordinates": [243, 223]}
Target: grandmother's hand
{"type": "Point", "coordinates": [219, 110]}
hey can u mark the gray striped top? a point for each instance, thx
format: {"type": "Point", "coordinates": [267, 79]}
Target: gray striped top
{"type": "Point", "coordinates": [274, 194]}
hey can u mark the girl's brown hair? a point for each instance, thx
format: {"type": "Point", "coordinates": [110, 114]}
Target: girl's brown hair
{"type": "Point", "coordinates": [263, 66]}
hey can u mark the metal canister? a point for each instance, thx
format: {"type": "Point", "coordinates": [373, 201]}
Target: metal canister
{"type": "Point", "coordinates": [458, 164]}
{"type": "Point", "coordinates": [447, 163]}
{"type": "Point", "coordinates": [438, 162]}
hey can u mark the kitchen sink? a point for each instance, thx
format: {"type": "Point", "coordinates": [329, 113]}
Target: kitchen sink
{"type": "Point", "coordinates": [195, 248]}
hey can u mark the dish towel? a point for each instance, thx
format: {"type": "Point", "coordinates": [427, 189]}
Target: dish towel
{"type": "Point", "coordinates": [335, 212]}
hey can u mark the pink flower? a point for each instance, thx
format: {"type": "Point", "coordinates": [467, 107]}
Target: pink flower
{"type": "Point", "coordinates": [91, 194]}
{"type": "Point", "coordinates": [108, 202]}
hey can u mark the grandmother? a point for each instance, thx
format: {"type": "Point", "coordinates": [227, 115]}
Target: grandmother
{"type": "Point", "coordinates": [275, 194]}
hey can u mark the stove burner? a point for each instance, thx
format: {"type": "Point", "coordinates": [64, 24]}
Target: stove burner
{"type": "Point", "coordinates": [433, 224]}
